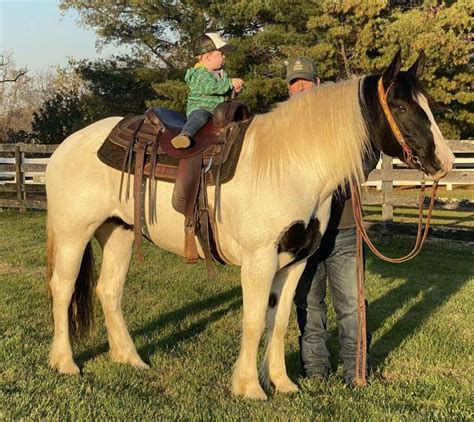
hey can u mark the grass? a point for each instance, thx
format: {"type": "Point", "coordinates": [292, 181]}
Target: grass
{"type": "Point", "coordinates": [188, 329]}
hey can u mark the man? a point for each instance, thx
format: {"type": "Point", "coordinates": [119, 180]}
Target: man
{"type": "Point", "coordinates": [334, 262]}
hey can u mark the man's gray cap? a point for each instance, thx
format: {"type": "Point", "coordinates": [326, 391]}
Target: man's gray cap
{"type": "Point", "coordinates": [300, 68]}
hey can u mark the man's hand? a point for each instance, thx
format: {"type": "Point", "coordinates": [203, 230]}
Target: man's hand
{"type": "Point", "coordinates": [238, 84]}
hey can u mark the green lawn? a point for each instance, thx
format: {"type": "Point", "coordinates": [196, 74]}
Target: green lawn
{"type": "Point", "coordinates": [187, 328]}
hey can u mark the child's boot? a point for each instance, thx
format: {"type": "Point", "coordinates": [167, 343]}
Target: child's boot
{"type": "Point", "coordinates": [181, 141]}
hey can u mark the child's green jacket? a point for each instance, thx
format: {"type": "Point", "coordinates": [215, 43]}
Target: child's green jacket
{"type": "Point", "coordinates": [206, 89]}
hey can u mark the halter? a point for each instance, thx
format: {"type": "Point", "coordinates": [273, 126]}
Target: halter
{"type": "Point", "coordinates": [409, 158]}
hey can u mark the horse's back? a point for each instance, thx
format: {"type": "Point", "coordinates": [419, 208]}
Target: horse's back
{"type": "Point", "coordinates": [88, 138]}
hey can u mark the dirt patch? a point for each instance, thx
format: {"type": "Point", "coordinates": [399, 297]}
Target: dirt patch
{"type": "Point", "coordinates": [6, 268]}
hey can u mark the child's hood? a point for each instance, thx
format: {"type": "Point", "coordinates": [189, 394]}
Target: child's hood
{"type": "Point", "coordinates": [190, 72]}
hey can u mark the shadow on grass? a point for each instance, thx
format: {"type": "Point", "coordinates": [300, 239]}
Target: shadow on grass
{"type": "Point", "coordinates": [195, 308]}
{"type": "Point", "coordinates": [431, 279]}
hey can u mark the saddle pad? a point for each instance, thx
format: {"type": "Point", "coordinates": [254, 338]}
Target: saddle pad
{"type": "Point", "coordinates": [112, 155]}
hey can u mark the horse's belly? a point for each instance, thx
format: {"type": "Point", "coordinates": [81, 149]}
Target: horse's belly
{"type": "Point", "coordinates": [167, 231]}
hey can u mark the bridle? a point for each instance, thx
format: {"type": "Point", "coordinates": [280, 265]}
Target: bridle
{"type": "Point", "coordinates": [411, 159]}
{"type": "Point", "coordinates": [414, 162]}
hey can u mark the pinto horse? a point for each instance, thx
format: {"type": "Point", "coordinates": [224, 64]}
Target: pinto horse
{"type": "Point", "coordinates": [271, 217]}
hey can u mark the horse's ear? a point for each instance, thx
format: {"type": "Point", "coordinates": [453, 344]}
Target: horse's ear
{"type": "Point", "coordinates": [391, 72]}
{"type": "Point", "coordinates": [419, 65]}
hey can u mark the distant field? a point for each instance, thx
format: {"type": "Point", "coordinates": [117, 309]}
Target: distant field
{"type": "Point", "coordinates": [450, 215]}
{"type": "Point", "coordinates": [452, 218]}
{"type": "Point", "coordinates": [188, 329]}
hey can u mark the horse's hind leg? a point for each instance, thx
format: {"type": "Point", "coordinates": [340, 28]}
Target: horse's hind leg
{"type": "Point", "coordinates": [67, 256]}
{"type": "Point", "coordinates": [280, 304]}
{"type": "Point", "coordinates": [116, 240]}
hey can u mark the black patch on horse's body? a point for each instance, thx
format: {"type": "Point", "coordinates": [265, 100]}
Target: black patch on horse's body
{"type": "Point", "coordinates": [300, 241]}
{"type": "Point", "coordinates": [119, 222]}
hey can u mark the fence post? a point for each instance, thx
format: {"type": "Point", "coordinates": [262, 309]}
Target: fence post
{"type": "Point", "coordinates": [20, 179]}
{"type": "Point", "coordinates": [387, 195]}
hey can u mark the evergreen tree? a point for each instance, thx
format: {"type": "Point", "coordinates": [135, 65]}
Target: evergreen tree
{"type": "Point", "coordinates": [343, 37]}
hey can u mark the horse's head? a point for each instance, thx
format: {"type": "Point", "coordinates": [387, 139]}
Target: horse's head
{"type": "Point", "coordinates": [408, 104]}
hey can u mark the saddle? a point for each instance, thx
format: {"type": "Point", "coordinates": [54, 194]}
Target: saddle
{"type": "Point", "coordinates": [141, 146]}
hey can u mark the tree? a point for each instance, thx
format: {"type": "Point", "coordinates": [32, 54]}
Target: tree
{"type": "Point", "coordinates": [445, 34]}
{"type": "Point", "coordinates": [64, 113]}
{"type": "Point", "coordinates": [14, 99]}
{"type": "Point", "coordinates": [117, 86]}
{"type": "Point", "coordinates": [344, 37]}
{"type": "Point", "coordinates": [7, 71]}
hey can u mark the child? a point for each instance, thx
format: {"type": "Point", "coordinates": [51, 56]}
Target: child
{"type": "Point", "coordinates": [208, 85]}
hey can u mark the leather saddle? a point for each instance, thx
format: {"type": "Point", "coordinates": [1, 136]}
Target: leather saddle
{"type": "Point", "coordinates": [141, 146]}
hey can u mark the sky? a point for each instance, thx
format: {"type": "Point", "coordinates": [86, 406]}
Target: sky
{"type": "Point", "coordinates": [40, 36]}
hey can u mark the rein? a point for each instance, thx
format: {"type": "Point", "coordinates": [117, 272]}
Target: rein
{"type": "Point", "coordinates": [414, 162]}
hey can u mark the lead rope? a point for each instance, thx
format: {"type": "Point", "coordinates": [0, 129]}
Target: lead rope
{"type": "Point", "coordinates": [422, 234]}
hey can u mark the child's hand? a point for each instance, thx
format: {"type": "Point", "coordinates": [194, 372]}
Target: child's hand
{"type": "Point", "coordinates": [238, 84]}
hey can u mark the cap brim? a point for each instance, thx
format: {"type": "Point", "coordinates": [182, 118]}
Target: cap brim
{"type": "Point", "coordinates": [300, 75]}
{"type": "Point", "coordinates": [228, 48]}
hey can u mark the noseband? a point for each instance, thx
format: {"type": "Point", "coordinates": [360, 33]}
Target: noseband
{"type": "Point", "coordinates": [411, 159]}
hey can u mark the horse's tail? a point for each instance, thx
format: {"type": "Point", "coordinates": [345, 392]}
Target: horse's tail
{"type": "Point", "coordinates": [80, 311]}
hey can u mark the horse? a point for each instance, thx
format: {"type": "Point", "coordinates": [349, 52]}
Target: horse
{"type": "Point", "coordinates": [271, 216]}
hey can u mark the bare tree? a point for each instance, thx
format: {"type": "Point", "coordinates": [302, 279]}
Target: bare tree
{"type": "Point", "coordinates": [14, 99]}
{"type": "Point", "coordinates": [7, 72]}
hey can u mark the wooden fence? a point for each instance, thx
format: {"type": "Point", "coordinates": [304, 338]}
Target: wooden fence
{"type": "Point", "coordinates": [22, 168]}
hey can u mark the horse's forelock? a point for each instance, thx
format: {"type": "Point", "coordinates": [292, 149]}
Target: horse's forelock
{"type": "Point", "coordinates": [411, 86]}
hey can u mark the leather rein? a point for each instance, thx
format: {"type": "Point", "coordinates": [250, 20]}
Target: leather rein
{"type": "Point", "coordinates": [414, 162]}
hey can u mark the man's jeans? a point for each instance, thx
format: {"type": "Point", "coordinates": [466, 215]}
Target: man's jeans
{"type": "Point", "coordinates": [335, 261]}
{"type": "Point", "coordinates": [196, 120]}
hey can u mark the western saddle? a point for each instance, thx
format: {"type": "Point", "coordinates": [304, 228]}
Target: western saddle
{"type": "Point", "coordinates": [141, 145]}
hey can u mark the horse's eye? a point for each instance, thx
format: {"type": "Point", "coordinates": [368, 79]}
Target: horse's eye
{"type": "Point", "coordinates": [401, 108]}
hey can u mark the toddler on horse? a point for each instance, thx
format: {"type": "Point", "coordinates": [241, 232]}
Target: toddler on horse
{"type": "Point", "coordinates": [208, 84]}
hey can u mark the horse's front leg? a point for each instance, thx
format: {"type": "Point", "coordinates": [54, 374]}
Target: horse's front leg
{"type": "Point", "coordinates": [280, 304]}
{"type": "Point", "coordinates": [258, 270]}
{"type": "Point", "coordinates": [279, 310]}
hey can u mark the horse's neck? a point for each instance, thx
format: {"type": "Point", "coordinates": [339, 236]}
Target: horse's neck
{"type": "Point", "coordinates": [316, 138]}
{"type": "Point", "coordinates": [296, 182]}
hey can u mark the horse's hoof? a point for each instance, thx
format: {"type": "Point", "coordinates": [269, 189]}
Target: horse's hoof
{"type": "Point", "coordinates": [286, 386]}
{"type": "Point", "coordinates": [138, 363]}
{"type": "Point", "coordinates": [131, 358]}
{"type": "Point", "coordinates": [253, 392]}
{"type": "Point", "coordinates": [67, 368]}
